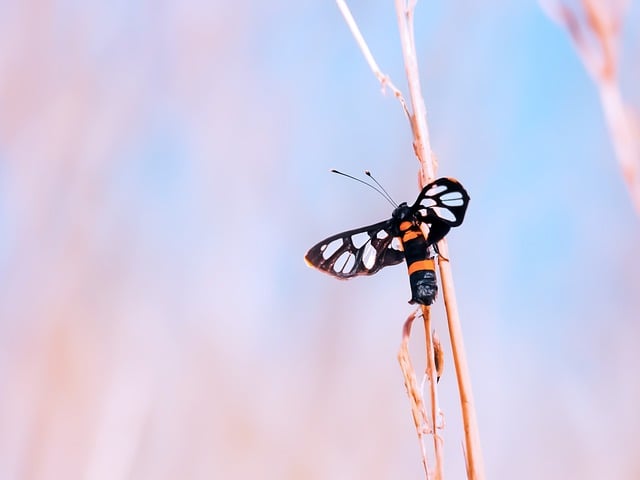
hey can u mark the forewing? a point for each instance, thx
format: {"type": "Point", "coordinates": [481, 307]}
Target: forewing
{"type": "Point", "coordinates": [362, 251]}
{"type": "Point", "coordinates": [442, 204]}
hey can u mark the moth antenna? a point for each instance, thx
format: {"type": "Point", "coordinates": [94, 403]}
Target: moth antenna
{"type": "Point", "coordinates": [385, 195]}
{"type": "Point", "coordinates": [368, 174]}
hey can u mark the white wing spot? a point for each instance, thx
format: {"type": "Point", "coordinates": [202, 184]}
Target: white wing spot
{"type": "Point", "coordinates": [428, 202]}
{"type": "Point", "coordinates": [331, 248]}
{"type": "Point", "coordinates": [345, 262]}
{"type": "Point", "coordinates": [436, 189]}
{"type": "Point", "coordinates": [445, 214]}
{"type": "Point", "coordinates": [359, 239]}
{"type": "Point", "coordinates": [452, 199]}
{"type": "Point", "coordinates": [382, 234]}
{"type": "Point", "coordinates": [369, 256]}
{"type": "Point", "coordinates": [396, 244]}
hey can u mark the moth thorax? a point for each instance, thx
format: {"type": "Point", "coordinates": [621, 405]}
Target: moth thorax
{"type": "Point", "coordinates": [403, 218]}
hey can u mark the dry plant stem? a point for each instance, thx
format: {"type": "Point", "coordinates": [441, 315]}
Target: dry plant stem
{"type": "Point", "coordinates": [421, 142]}
{"type": "Point", "coordinates": [622, 136]}
{"type": "Point", "coordinates": [431, 375]}
{"type": "Point", "coordinates": [414, 392]}
{"type": "Point", "coordinates": [475, 467]}
{"type": "Point", "coordinates": [422, 148]}
{"type": "Point", "coordinates": [600, 60]}
{"type": "Point", "coordinates": [418, 412]}
{"type": "Point", "coordinates": [384, 79]}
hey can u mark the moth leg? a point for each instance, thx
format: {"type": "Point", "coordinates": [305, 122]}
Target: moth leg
{"type": "Point", "coordinates": [441, 257]}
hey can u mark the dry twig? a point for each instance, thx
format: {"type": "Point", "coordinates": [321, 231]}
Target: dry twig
{"type": "Point", "coordinates": [596, 40]}
{"type": "Point", "coordinates": [384, 79]}
{"type": "Point", "coordinates": [418, 411]}
{"type": "Point", "coordinates": [433, 391]}
{"type": "Point", "coordinates": [422, 147]}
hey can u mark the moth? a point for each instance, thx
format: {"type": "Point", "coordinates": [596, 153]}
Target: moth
{"type": "Point", "coordinates": [440, 206]}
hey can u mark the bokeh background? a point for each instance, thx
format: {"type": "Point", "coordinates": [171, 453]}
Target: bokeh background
{"type": "Point", "coordinates": [163, 169]}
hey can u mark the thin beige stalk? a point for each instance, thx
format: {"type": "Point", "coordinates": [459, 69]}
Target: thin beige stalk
{"type": "Point", "coordinates": [596, 40]}
{"type": "Point", "coordinates": [428, 166]}
{"type": "Point", "coordinates": [475, 467]}
{"type": "Point", "coordinates": [431, 371]}
{"type": "Point", "coordinates": [384, 79]}
{"type": "Point", "coordinates": [472, 447]}
{"type": "Point", "coordinates": [418, 411]}
{"type": "Point", "coordinates": [421, 141]}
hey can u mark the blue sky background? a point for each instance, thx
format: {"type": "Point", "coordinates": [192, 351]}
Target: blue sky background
{"type": "Point", "coordinates": [163, 170]}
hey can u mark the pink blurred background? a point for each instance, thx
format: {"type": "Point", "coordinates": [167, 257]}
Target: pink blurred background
{"type": "Point", "coordinates": [163, 169]}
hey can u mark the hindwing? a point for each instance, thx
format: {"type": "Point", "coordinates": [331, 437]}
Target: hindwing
{"type": "Point", "coordinates": [442, 204]}
{"type": "Point", "coordinates": [362, 251]}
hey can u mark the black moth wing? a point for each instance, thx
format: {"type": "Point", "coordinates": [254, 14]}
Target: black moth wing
{"type": "Point", "coordinates": [442, 204]}
{"type": "Point", "coordinates": [362, 251]}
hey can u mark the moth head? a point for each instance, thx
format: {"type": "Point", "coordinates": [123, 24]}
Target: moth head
{"type": "Point", "coordinates": [402, 212]}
